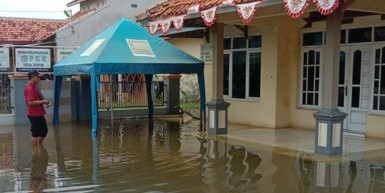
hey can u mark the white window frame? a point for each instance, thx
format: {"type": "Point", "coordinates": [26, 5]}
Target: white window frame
{"type": "Point", "coordinates": [247, 83]}
{"type": "Point", "coordinates": [316, 48]}
{"type": "Point", "coordinates": [372, 111]}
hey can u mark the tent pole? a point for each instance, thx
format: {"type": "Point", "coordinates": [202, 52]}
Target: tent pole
{"type": "Point", "coordinates": [111, 95]}
{"type": "Point", "coordinates": [148, 78]}
{"type": "Point", "coordinates": [202, 91]}
{"type": "Point", "coordinates": [94, 105]}
{"type": "Point", "coordinates": [58, 85]}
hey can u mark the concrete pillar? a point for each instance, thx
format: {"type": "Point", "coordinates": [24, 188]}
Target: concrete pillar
{"type": "Point", "coordinates": [80, 96]}
{"type": "Point", "coordinates": [172, 97]}
{"type": "Point", "coordinates": [217, 108]}
{"type": "Point", "coordinates": [18, 83]}
{"type": "Point", "coordinates": [329, 120]}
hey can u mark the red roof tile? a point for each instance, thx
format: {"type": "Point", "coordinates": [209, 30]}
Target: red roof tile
{"type": "Point", "coordinates": [25, 30]}
{"type": "Point", "coordinates": [180, 7]}
{"type": "Point", "coordinates": [74, 2]}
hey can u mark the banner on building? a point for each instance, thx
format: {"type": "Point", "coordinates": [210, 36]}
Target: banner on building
{"type": "Point", "coordinates": [28, 59]}
{"type": "Point", "coordinates": [62, 53]}
{"type": "Point", "coordinates": [4, 60]}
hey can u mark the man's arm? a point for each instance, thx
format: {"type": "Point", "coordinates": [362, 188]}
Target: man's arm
{"type": "Point", "coordinates": [32, 100]}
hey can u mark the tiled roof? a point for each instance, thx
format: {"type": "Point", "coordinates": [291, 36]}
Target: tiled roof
{"type": "Point", "coordinates": [24, 31]}
{"type": "Point", "coordinates": [74, 2]}
{"type": "Point", "coordinates": [180, 7]}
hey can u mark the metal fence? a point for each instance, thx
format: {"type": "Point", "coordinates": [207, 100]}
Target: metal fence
{"type": "Point", "coordinates": [5, 97]}
{"type": "Point", "coordinates": [128, 94]}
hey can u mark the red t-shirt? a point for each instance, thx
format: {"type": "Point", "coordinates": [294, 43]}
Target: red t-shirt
{"type": "Point", "coordinates": [32, 93]}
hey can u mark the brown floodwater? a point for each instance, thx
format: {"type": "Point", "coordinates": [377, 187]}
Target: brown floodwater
{"type": "Point", "coordinates": [165, 156]}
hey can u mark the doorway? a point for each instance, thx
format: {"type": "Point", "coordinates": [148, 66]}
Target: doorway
{"type": "Point", "coordinates": [354, 86]}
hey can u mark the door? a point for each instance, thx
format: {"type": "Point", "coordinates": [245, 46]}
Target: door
{"type": "Point", "coordinates": [354, 86]}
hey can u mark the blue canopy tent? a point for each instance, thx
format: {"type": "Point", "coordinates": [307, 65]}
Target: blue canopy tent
{"type": "Point", "coordinates": [125, 48]}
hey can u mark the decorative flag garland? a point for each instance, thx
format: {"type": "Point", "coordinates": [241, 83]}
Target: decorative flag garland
{"type": "Point", "coordinates": [247, 11]}
{"type": "Point", "coordinates": [178, 22]}
{"type": "Point", "coordinates": [228, 2]}
{"type": "Point", "coordinates": [326, 7]}
{"type": "Point", "coordinates": [193, 9]}
{"type": "Point", "coordinates": [153, 26]}
{"type": "Point", "coordinates": [296, 8]}
{"type": "Point", "coordinates": [209, 16]}
{"type": "Point", "coordinates": [165, 25]}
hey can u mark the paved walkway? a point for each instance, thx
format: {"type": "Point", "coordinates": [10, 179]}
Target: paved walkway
{"type": "Point", "coordinates": [301, 141]}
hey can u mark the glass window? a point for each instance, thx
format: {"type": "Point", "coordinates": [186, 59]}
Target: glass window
{"type": "Point", "coordinates": [311, 78]}
{"type": "Point", "coordinates": [360, 35]}
{"type": "Point", "coordinates": [134, 5]}
{"type": "Point", "coordinates": [357, 67]}
{"type": "Point", "coordinates": [341, 80]}
{"type": "Point", "coordinates": [313, 38]}
{"type": "Point", "coordinates": [239, 74]}
{"type": "Point", "coordinates": [343, 37]}
{"type": "Point", "coordinates": [239, 43]}
{"type": "Point", "coordinates": [379, 80]}
{"type": "Point", "coordinates": [254, 74]}
{"type": "Point", "coordinates": [242, 67]}
{"type": "Point", "coordinates": [227, 43]}
{"type": "Point", "coordinates": [255, 42]}
{"type": "Point", "coordinates": [379, 34]}
{"type": "Point", "coordinates": [226, 66]}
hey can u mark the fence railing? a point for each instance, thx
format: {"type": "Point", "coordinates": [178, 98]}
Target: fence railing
{"type": "Point", "coordinates": [5, 98]}
{"type": "Point", "coordinates": [128, 94]}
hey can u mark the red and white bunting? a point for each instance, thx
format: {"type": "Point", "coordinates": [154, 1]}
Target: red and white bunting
{"type": "Point", "coordinates": [326, 7]}
{"type": "Point", "coordinates": [178, 22]}
{"type": "Point", "coordinates": [228, 2]}
{"type": "Point", "coordinates": [165, 25]}
{"type": "Point", "coordinates": [247, 11]}
{"type": "Point", "coordinates": [193, 9]}
{"type": "Point", "coordinates": [209, 16]}
{"type": "Point", "coordinates": [296, 8]}
{"type": "Point", "coordinates": [153, 27]}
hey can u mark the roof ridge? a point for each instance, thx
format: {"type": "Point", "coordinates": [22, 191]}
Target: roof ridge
{"type": "Point", "coordinates": [32, 19]}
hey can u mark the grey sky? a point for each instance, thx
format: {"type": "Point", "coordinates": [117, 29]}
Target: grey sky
{"type": "Point", "coordinates": [52, 9]}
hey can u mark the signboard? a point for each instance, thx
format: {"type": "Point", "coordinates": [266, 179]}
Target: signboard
{"type": "Point", "coordinates": [4, 59]}
{"type": "Point", "coordinates": [28, 59]}
{"type": "Point", "coordinates": [91, 49]}
{"type": "Point", "coordinates": [140, 48]}
{"type": "Point", "coordinates": [62, 53]}
{"type": "Point", "coordinates": [207, 53]}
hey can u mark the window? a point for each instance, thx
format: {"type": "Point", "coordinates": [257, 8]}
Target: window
{"type": "Point", "coordinates": [134, 5]}
{"type": "Point", "coordinates": [313, 38]}
{"type": "Point", "coordinates": [379, 34]}
{"type": "Point", "coordinates": [360, 35]}
{"type": "Point", "coordinates": [310, 84]}
{"type": "Point", "coordinates": [379, 80]}
{"type": "Point", "coordinates": [242, 67]}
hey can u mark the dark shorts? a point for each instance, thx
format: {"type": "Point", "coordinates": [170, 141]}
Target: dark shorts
{"type": "Point", "coordinates": [38, 126]}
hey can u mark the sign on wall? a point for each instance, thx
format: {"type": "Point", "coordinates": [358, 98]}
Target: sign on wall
{"type": "Point", "coordinates": [62, 53]}
{"type": "Point", "coordinates": [28, 59]}
{"type": "Point", "coordinates": [207, 53]}
{"type": "Point", "coordinates": [4, 59]}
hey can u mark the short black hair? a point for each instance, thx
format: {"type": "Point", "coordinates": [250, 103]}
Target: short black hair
{"type": "Point", "coordinates": [32, 74]}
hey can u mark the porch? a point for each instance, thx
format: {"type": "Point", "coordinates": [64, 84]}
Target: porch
{"type": "Point", "coordinates": [294, 141]}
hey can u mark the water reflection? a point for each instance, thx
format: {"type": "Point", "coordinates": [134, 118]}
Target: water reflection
{"type": "Point", "coordinates": [39, 169]}
{"type": "Point", "coordinates": [145, 156]}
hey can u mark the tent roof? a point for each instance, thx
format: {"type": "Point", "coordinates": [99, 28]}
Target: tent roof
{"type": "Point", "coordinates": [126, 47]}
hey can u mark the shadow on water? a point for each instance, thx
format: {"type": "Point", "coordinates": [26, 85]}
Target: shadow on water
{"type": "Point", "coordinates": [162, 156]}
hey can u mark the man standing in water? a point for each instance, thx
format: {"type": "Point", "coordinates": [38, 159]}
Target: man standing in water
{"type": "Point", "coordinates": [35, 109]}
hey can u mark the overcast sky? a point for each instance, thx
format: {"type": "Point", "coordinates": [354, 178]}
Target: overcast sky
{"type": "Point", "coordinates": [52, 9]}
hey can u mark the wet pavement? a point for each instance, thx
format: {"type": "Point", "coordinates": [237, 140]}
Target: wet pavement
{"type": "Point", "coordinates": [164, 156]}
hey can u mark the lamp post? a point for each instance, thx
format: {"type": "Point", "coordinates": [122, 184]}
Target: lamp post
{"type": "Point", "coordinates": [217, 111]}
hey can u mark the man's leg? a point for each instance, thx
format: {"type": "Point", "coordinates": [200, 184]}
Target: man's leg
{"type": "Point", "coordinates": [35, 141]}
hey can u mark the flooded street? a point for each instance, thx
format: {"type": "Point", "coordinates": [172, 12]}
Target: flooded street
{"type": "Point", "coordinates": [161, 156]}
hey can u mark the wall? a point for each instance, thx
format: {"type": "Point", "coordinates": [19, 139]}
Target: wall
{"type": "Point", "coordinates": [18, 101]}
{"type": "Point", "coordinates": [189, 82]}
{"type": "Point", "coordinates": [84, 29]}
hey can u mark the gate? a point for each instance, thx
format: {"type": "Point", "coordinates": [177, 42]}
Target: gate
{"type": "Point", "coordinates": [5, 94]}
